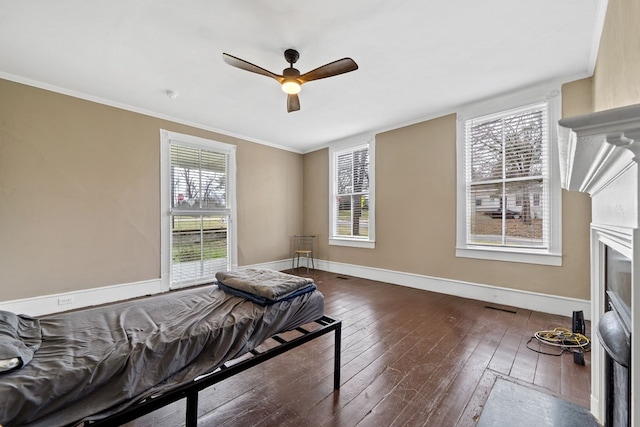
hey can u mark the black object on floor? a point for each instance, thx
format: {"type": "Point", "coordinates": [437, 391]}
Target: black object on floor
{"type": "Point", "coordinates": [511, 404]}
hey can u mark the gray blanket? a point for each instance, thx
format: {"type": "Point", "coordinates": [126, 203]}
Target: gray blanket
{"type": "Point", "coordinates": [103, 359]}
{"type": "Point", "coordinates": [19, 340]}
{"type": "Point", "coordinates": [270, 284]}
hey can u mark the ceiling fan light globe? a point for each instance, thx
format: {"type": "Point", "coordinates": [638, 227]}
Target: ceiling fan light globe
{"type": "Point", "coordinates": [291, 87]}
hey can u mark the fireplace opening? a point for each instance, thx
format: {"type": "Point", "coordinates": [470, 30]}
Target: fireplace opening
{"type": "Point", "coordinates": [614, 330]}
{"type": "Point", "coordinates": [618, 285]}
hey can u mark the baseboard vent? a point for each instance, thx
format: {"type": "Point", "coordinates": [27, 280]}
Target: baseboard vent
{"type": "Point", "coordinates": [501, 308]}
{"type": "Point", "coordinates": [342, 278]}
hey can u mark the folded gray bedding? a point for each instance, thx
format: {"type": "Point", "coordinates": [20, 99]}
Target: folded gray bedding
{"type": "Point", "coordinates": [270, 284]}
{"type": "Point", "coordinates": [101, 360]}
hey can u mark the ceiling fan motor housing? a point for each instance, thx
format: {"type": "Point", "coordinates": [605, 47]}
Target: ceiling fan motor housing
{"type": "Point", "coordinates": [290, 73]}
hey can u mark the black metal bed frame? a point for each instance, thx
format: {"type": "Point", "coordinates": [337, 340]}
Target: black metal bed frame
{"type": "Point", "coordinates": [189, 391]}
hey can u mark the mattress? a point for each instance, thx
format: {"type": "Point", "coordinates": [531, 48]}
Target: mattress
{"type": "Point", "coordinates": [97, 361]}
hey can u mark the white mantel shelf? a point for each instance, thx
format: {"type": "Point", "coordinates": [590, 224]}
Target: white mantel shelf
{"type": "Point", "coordinates": [587, 147]}
{"type": "Point", "coordinates": [599, 154]}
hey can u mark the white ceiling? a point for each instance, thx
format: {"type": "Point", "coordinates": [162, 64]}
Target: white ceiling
{"type": "Point", "coordinates": [416, 58]}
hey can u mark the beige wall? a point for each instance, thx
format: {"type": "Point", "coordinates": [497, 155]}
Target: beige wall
{"type": "Point", "coordinates": [416, 212]}
{"type": "Point", "coordinates": [80, 194]}
{"type": "Point", "coordinates": [617, 74]}
{"type": "Point", "coordinates": [270, 196]}
{"type": "Point", "coordinates": [577, 98]}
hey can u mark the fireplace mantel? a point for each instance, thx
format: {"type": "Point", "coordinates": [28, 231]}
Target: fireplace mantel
{"type": "Point", "coordinates": [587, 147]}
{"type": "Point", "coordinates": [599, 155]}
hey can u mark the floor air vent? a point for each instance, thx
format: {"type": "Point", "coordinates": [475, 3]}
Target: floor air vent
{"type": "Point", "coordinates": [501, 308]}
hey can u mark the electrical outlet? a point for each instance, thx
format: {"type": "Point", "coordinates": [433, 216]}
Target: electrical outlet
{"type": "Point", "coordinates": [68, 299]}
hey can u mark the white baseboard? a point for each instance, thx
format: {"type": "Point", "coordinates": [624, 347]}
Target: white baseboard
{"type": "Point", "coordinates": [545, 303]}
{"type": "Point", "coordinates": [48, 304]}
{"type": "Point", "coordinates": [553, 304]}
{"type": "Point", "coordinates": [284, 264]}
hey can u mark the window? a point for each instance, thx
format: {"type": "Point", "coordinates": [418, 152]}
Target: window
{"type": "Point", "coordinates": [198, 198]}
{"type": "Point", "coordinates": [507, 160]}
{"type": "Point", "coordinates": [352, 211]}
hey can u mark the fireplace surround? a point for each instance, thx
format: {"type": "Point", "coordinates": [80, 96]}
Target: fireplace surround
{"type": "Point", "coordinates": [599, 155]}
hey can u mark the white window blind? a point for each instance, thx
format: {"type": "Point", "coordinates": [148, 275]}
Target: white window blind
{"type": "Point", "coordinates": [199, 213]}
{"type": "Point", "coordinates": [351, 201]}
{"type": "Point", "coordinates": [507, 179]}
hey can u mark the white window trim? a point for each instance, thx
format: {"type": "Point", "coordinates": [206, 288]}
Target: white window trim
{"type": "Point", "coordinates": [166, 138]}
{"type": "Point", "coordinates": [552, 255]}
{"type": "Point", "coordinates": [349, 144]}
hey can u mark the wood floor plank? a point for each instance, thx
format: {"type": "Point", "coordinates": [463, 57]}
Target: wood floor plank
{"type": "Point", "coordinates": [576, 378]}
{"type": "Point", "coordinates": [526, 361]}
{"type": "Point", "coordinates": [504, 357]}
{"type": "Point", "coordinates": [475, 405]}
{"type": "Point", "coordinates": [548, 369]}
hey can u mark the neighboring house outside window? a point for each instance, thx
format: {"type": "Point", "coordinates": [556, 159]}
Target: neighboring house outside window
{"type": "Point", "coordinates": [507, 159]}
{"type": "Point", "coordinates": [198, 208]}
{"type": "Point", "coordinates": [352, 204]}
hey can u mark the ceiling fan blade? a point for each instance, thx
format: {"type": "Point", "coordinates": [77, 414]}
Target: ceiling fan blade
{"type": "Point", "coordinates": [248, 66]}
{"type": "Point", "coordinates": [293, 103]}
{"type": "Point", "coordinates": [334, 68]}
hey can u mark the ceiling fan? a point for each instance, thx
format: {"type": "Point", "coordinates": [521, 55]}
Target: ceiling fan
{"type": "Point", "coordinates": [291, 79]}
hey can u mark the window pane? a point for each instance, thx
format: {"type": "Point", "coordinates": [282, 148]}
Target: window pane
{"type": "Point", "coordinates": [344, 172]}
{"type": "Point", "coordinates": [485, 214]}
{"type": "Point", "coordinates": [360, 222]}
{"type": "Point", "coordinates": [185, 177]}
{"type": "Point", "coordinates": [496, 218]}
{"type": "Point", "coordinates": [343, 216]}
{"type": "Point", "coordinates": [361, 171]}
{"type": "Point", "coordinates": [523, 144]}
{"type": "Point", "coordinates": [198, 178]}
{"type": "Point", "coordinates": [486, 151]}
{"type": "Point", "coordinates": [199, 246]}
{"type": "Point", "coordinates": [524, 222]}
{"type": "Point", "coordinates": [352, 216]}
{"type": "Point", "coordinates": [214, 180]}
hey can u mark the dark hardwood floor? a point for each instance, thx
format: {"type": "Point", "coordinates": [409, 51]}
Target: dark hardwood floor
{"type": "Point", "coordinates": [409, 357]}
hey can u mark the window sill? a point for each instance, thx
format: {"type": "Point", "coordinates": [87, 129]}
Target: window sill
{"type": "Point", "coordinates": [355, 243]}
{"type": "Point", "coordinates": [501, 254]}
